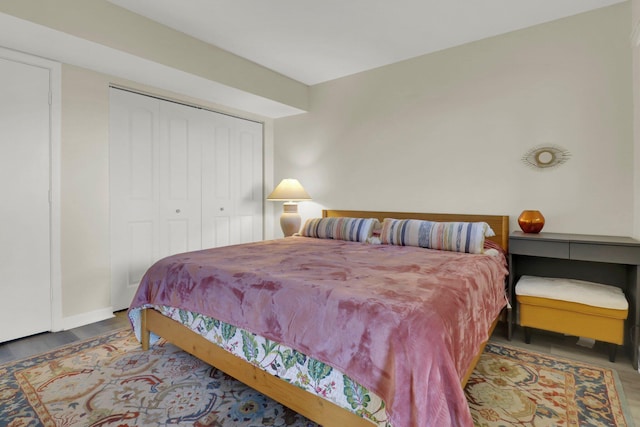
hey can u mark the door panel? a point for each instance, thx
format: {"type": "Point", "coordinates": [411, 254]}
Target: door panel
{"type": "Point", "coordinates": [250, 200]}
{"type": "Point", "coordinates": [141, 254]}
{"type": "Point", "coordinates": [143, 129]}
{"type": "Point", "coordinates": [180, 178]}
{"type": "Point", "coordinates": [133, 163]}
{"type": "Point", "coordinates": [25, 257]}
{"type": "Point", "coordinates": [178, 236]}
{"type": "Point", "coordinates": [232, 182]}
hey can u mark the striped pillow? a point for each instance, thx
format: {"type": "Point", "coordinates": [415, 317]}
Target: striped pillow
{"type": "Point", "coordinates": [352, 229]}
{"type": "Point", "coordinates": [448, 236]}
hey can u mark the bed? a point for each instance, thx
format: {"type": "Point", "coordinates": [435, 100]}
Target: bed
{"type": "Point", "coordinates": [389, 365]}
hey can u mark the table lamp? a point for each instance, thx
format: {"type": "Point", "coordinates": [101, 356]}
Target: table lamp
{"type": "Point", "coordinates": [289, 191]}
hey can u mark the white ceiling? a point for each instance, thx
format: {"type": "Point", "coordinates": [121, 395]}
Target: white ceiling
{"type": "Point", "coordinates": [316, 41]}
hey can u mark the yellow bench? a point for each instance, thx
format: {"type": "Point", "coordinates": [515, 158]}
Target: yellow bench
{"type": "Point", "coordinates": [573, 307]}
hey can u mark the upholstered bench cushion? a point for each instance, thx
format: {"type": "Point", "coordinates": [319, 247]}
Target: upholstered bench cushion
{"type": "Point", "coordinates": [578, 291]}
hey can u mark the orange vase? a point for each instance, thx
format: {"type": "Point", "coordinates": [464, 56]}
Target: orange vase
{"type": "Point", "coordinates": [531, 221]}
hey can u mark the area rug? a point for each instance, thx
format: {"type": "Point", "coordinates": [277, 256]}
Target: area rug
{"type": "Point", "coordinates": [109, 381]}
{"type": "Point", "coordinates": [514, 387]}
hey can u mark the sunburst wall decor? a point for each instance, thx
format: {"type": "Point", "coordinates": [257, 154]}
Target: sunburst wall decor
{"type": "Point", "coordinates": [546, 157]}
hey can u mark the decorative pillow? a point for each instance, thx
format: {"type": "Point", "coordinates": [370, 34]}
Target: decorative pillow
{"type": "Point", "coordinates": [448, 236]}
{"type": "Point", "coordinates": [342, 228]}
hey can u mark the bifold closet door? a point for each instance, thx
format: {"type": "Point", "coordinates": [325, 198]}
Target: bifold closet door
{"type": "Point", "coordinates": [180, 189]}
{"type": "Point", "coordinates": [155, 166]}
{"type": "Point", "coordinates": [232, 190]}
{"type": "Point", "coordinates": [134, 159]}
{"type": "Point", "coordinates": [25, 239]}
{"type": "Point", "coordinates": [182, 179]}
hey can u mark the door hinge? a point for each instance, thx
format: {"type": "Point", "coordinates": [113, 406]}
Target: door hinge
{"type": "Point", "coordinates": [50, 98]}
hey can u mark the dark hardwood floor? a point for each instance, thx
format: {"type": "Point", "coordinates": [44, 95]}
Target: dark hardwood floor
{"type": "Point", "coordinates": [40, 343]}
{"type": "Point", "coordinates": [543, 342]}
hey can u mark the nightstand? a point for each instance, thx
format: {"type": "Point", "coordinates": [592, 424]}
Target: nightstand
{"type": "Point", "coordinates": [610, 260]}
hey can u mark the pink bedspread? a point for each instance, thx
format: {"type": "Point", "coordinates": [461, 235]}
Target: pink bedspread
{"type": "Point", "coordinates": [404, 322]}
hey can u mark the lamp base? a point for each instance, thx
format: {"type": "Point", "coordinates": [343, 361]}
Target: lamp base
{"type": "Point", "coordinates": [290, 219]}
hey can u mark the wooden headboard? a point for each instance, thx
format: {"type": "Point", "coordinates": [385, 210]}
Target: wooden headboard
{"type": "Point", "coordinates": [499, 223]}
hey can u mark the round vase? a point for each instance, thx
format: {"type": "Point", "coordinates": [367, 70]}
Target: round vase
{"type": "Point", "coordinates": [531, 221]}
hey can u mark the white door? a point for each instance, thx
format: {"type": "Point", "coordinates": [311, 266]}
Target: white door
{"type": "Point", "coordinates": [155, 168]}
{"type": "Point", "coordinates": [171, 167]}
{"type": "Point", "coordinates": [180, 198]}
{"type": "Point", "coordinates": [134, 160]}
{"type": "Point", "coordinates": [25, 266]}
{"type": "Point", "coordinates": [232, 195]}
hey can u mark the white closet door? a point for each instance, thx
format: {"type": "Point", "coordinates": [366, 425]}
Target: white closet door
{"type": "Point", "coordinates": [25, 257]}
{"type": "Point", "coordinates": [232, 199]}
{"type": "Point", "coordinates": [181, 139]}
{"type": "Point", "coordinates": [182, 179]}
{"type": "Point", "coordinates": [134, 170]}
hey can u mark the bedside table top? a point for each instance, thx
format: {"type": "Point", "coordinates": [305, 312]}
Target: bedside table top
{"type": "Point", "coordinates": [577, 238]}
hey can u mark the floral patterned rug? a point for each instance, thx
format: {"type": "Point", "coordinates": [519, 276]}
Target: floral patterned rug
{"type": "Point", "coordinates": [511, 386]}
{"type": "Point", "coordinates": [109, 381]}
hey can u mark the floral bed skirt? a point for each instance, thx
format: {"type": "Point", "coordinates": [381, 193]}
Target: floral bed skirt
{"type": "Point", "coordinates": [282, 361]}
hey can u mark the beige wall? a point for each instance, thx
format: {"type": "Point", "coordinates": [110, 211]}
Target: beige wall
{"type": "Point", "coordinates": [84, 183]}
{"type": "Point", "coordinates": [446, 132]}
{"type": "Point", "coordinates": [85, 238]}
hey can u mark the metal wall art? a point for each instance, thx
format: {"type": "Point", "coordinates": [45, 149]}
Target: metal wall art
{"type": "Point", "coordinates": [546, 157]}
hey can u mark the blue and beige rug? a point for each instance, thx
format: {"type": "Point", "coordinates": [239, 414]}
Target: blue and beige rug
{"type": "Point", "coordinates": [511, 386]}
{"type": "Point", "coordinates": [109, 381]}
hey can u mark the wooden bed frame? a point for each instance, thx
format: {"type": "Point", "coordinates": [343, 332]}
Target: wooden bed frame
{"type": "Point", "coordinates": [309, 405]}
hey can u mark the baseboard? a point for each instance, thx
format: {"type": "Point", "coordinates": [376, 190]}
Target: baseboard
{"type": "Point", "coordinates": [86, 318]}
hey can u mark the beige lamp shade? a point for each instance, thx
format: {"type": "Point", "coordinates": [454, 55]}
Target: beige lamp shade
{"type": "Point", "coordinates": [289, 191]}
